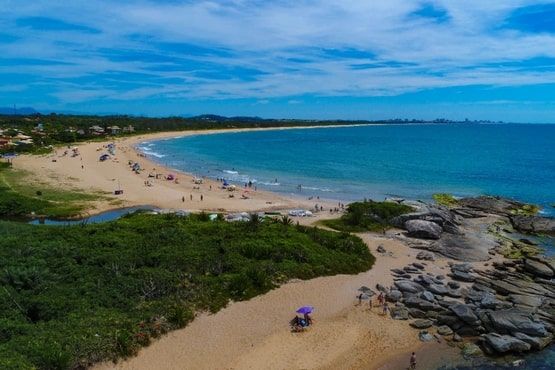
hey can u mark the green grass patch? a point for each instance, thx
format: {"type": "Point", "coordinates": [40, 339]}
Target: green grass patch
{"type": "Point", "coordinates": [445, 199]}
{"type": "Point", "coordinates": [22, 197]}
{"type": "Point", "coordinates": [73, 296]}
{"type": "Point", "coordinates": [368, 216]}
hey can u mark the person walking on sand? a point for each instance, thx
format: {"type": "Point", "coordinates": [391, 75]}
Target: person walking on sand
{"type": "Point", "coordinates": [191, 196]}
{"type": "Point", "coordinates": [201, 197]}
{"type": "Point", "coordinates": [359, 299]}
{"type": "Point", "coordinates": [385, 308]}
{"type": "Point", "coordinates": [412, 361]}
{"type": "Point", "coordinates": [183, 199]}
{"type": "Point", "coordinates": [370, 304]}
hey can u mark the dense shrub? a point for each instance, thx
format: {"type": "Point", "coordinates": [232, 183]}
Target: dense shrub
{"type": "Point", "coordinates": [72, 296]}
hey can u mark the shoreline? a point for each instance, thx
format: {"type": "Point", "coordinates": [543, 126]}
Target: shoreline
{"type": "Point", "coordinates": [346, 335]}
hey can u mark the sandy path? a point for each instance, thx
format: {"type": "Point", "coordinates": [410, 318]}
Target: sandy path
{"type": "Point", "coordinates": [255, 334]}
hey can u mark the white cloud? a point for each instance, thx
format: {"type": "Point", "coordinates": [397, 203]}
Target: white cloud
{"type": "Point", "coordinates": [409, 54]}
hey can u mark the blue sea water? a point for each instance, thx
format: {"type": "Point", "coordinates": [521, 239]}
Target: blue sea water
{"type": "Point", "coordinates": [350, 163]}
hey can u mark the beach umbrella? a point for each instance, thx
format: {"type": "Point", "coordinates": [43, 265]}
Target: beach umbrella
{"type": "Point", "coordinates": [305, 310]}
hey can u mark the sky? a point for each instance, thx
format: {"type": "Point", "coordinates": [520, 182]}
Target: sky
{"type": "Point", "coordinates": [320, 59]}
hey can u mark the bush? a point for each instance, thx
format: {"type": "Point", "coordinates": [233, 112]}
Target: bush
{"type": "Point", "coordinates": [73, 296]}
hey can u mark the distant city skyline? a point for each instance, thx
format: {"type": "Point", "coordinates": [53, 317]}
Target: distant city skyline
{"type": "Point", "coordinates": [309, 59]}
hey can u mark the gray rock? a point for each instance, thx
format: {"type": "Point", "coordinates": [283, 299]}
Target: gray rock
{"type": "Point", "coordinates": [533, 224]}
{"type": "Point", "coordinates": [381, 288]}
{"type": "Point", "coordinates": [506, 343]}
{"type": "Point", "coordinates": [399, 313]}
{"type": "Point", "coordinates": [513, 321]}
{"type": "Point", "coordinates": [444, 330]}
{"type": "Point", "coordinates": [417, 313]}
{"type": "Point", "coordinates": [437, 289]}
{"type": "Point", "coordinates": [454, 285]}
{"type": "Point", "coordinates": [418, 265]}
{"type": "Point", "coordinates": [425, 336]}
{"type": "Point", "coordinates": [464, 267]}
{"type": "Point", "coordinates": [421, 324]}
{"type": "Point", "coordinates": [427, 296]}
{"type": "Point", "coordinates": [464, 312]}
{"type": "Point", "coordinates": [488, 300]}
{"type": "Point", "coordinates": [526, 300]}
{"type": "Point", "coordinates": [423, 229]}
{"type": "Point", "coordinates": [425, 255]}
{"type": "Point", "coordinates": [535, 342]}
{"type": "Point", "coordinates": [381, 249]}
{"type": "Point", "coordinates": [408, 286]}
{"type": "Point", "coordinates": [539, 269]}
{"type": "Point", "coordinates": [454, 293]}
{"type": "Point", "coordinates": [457, 338]}
{"type": "Point", "coordinates": [394, 295]}
{"type": "Point", "coordinates": [462, 276]}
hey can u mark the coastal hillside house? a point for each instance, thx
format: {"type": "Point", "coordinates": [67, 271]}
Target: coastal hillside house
{"type": "Point", "coordinates": [5, 143]}
{"type": "Point", "coordinates": [128, 129]}
{"type": "Point", "coordinates": [80, 132]}
{"type": "Point", "coordinates": [96, 130]}
{"type": "Point", "coordinates": [114, 130]}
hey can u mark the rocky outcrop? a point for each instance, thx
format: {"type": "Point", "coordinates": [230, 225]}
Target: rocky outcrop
{"type": "Point", "coordinates": [506, 343]}
{"type": "Point", "coordinates": [533, 224]}
{"type": "Point", "coordinates": [511, 306]}
{"type": "Point", "coordinates": [423, 229]}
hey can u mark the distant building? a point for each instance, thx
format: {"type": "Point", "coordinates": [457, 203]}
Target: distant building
{"type": "Point", "coordinates": [80, 132]}
{"type": "Point", "coordinates": [128, 129]}
{"type": "Point", "coordinates": [96, 130]}
{"type": "Point", "coordinates": [114, 130]}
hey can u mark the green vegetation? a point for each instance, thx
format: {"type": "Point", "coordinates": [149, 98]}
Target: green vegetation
{"type": "Point", "coordinates": [21, 197]}
{"type": "Point", "coordinates": [72, 296]}
{"type": "Point", "coordinates": [445, 199]}
{"type": "Point", "coordinates": [368, 216]}
{"type": "Point", "coordinates": [526, 210]}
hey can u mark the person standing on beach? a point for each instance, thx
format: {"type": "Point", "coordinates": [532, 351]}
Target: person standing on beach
{"type": "Point", "coordinates": [201, 197]}
{"type": "Point", "coordinates": [412, 361]}
{"type": "Point", "coordinates": [183, 199]}
{"type": "Point", "coordinates": [191, 196]}
{"type": "Point", "coordinates": [385, 308]}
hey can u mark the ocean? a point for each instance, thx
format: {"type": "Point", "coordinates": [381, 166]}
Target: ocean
{"type": "Point", "coordinates": [377, 161]}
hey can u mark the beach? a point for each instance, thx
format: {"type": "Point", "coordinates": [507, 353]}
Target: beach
{"type": "Point", "coordinates": [254, 334]}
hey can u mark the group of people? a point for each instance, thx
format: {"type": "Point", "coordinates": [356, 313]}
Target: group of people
{"type": "Point", "coordinates": [382, 302]}
{"type": "Point", "coordinates": [299, 324]}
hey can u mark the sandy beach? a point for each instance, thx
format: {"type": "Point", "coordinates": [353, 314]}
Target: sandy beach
{"type": "Point", "coordinates": [87, 173]}
{"type": "Point", "coordinates": [254, 334]}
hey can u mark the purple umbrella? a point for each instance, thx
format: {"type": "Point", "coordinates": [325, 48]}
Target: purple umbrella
{"type": "Point", "coordinates": [305, 309]}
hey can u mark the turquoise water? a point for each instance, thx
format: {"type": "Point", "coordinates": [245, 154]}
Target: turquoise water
{"type": "Point", "coordinates": [98, 218]}
{"type": "Point", "coordinates": [349, 163]}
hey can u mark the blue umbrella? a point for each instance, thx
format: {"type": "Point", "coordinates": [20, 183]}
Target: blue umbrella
{"type": "Point", "coordinates": [305, 309]}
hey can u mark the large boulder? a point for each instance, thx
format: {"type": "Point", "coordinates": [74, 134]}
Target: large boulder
{"type": "Point", "coordinates": [534, 224]}
{"type": "Point", "coordinates": [465, 313]}
{"type": "Point", "coordinates": [421, 324]}
{"type": "Point", "coordinates": [538, 268]}
{"type": "Point", "coordinates": [394, 295]}
{"type": "Point", "coordinates": [423, 229]}
{"type": "Point", "coordinates": [489, 204]}
{"type": "Point", "coordinates": [537, 343]}
{"type": "Point", "coordinates": [513, 321]}
{"type": "Point", "coordinates": [408, 286]}
{"type": "Point", "coordinates": [399, 313]}
{"type": "Point", "coordinates": [426, 256]}
{"type": "Point", "coordinates": [506, 343]}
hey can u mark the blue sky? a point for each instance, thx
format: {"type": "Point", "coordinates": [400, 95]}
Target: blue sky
{"type": "Point", "coordinates": [349, 59]}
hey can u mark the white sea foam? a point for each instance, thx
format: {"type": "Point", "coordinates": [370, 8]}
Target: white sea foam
{"type": "Point", "coordinates": [230, 172]}
{"type": "Point", "coordinates": [148, 151]}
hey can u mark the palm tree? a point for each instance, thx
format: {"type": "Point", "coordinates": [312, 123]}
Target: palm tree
{"type": "Point", "coordinates": [286, 220]}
